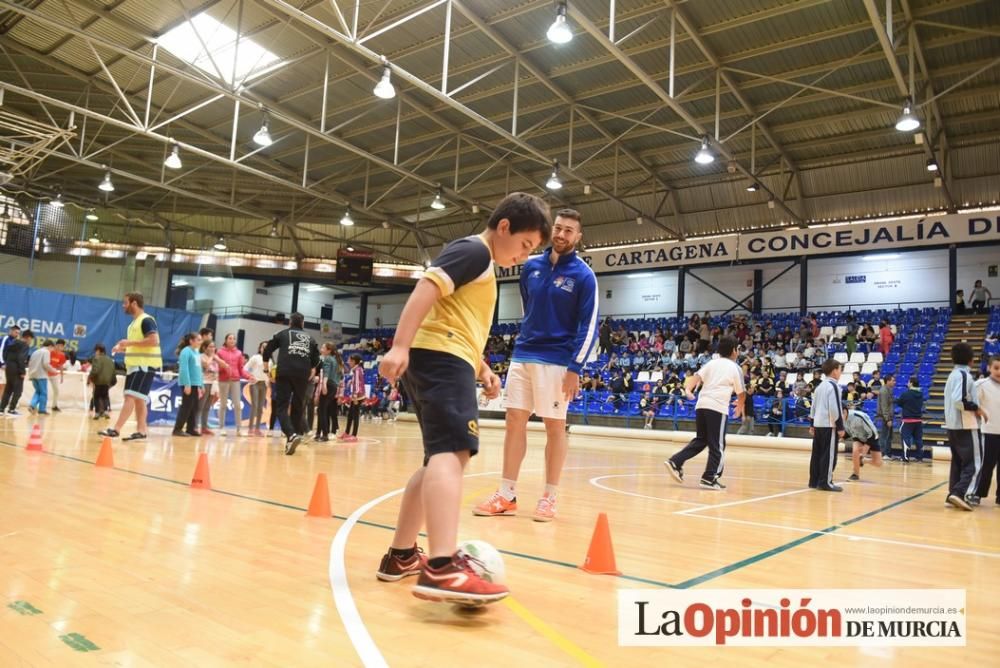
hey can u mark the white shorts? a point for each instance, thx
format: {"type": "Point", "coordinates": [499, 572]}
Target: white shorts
{"type": "Point", "coordinates": [536, 388]}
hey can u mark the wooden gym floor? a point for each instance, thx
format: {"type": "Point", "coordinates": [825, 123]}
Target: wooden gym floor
{"type": "Point", "coordinates": [131, 567]}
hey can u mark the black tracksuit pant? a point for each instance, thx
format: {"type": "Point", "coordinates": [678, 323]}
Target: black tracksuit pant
{"type": "Point", "coordinates": [824, 457]}
{"type": "Point", "coordinates": [710, 432]}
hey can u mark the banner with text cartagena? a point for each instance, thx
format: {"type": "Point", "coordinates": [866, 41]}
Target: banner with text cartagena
{"type": "Point", "coordinates": [792, 617]}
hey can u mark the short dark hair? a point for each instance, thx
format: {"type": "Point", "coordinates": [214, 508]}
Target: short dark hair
{"type": "Point", "coordinates": [914, 381]}
{"type": "Point", "coordinates": [46, 343]}
{"type": "Point", "coordinates": [889, 376]}
{"type": "Point", "coordinates": [99, 348]}
{"type": "Point", "coordinates": [297, 320]}
{"type": "Point", "coordinates": [994, 360]}
{"type": "Point", "coordinates": [13, 327]}
{"type": "Point", "coordinates": [569, 213]}
{"type": "Point", "coordinates": [135, 297]}
{"type": "Point", "coordinates": [356, 358]}
{"type": "Point", "coordinates": [962, 353]}
{"type": "Point", "coordinates": [829, 366]}
{"type": "Point", "coordinates": [525, 212]}
{"type": "Point", "coordinates": [60, 342]}
{"type": "Point", "coordinates": [27, 334]}
{"type": "Point", "coordinates": [205, 330]}
{"type": "Point", "coordinates": [727, 345]}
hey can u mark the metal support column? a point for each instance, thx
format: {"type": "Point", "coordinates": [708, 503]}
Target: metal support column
{"type": "Point", "coordinates": [758, 290]}
{"type": "Point", "coordinates": [803, 284]}
{"type": "Point", "coordinates": [295, 295]}
{"type": "Point", "coordinates": [952, 272]}
{"type": "Point", "coordinates": [680, 291]}
{"type": "Point", "coordinates": [363, 313]}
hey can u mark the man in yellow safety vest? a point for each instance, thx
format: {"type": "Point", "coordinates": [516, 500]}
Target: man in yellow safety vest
{"type": "Point", "coordinates": [142, 362]}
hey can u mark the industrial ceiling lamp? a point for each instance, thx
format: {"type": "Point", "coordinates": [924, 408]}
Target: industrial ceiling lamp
{"type": "Point", "coordinates": [704, 156]}
{"type": "Point", "coordinates": [106, 184]}
{"type": "Point", "coordinates": [384, 88]}
{"type": "Point", "coordinates": [347, 221]}
{"type": "Point", "coordinates": [907, 121]}
{"type": "Point", "coordinates": [95, 236]}
{"type": "Point", "coordinates": [220, 245]}
{"type": "Point", "coordinates": [438, 203]}
{"type": "Point", "coordinates": [274, 230]}
{"type": "Point", "coordinates": [91, 215]}
{"type": "Point", "coordinates": [263, 136]}
{"type": "Point", "coordinates": [753, 187]}
{"type": "Point", "coordinates": [559, 32]}
{"type": "Point", "coordinates": [58, 201]}
{"type": "Point", "coordinates": [932, 165]}
{"type": "Point", "coordinates": [554, 183]}
{"type": "Point", "coordinates": [173, 160]}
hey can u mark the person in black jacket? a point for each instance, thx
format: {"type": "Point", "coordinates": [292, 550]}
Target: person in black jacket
{"type": "Point", "coordinates": [911, 402]}
{"type": "Point", "coordinates": [298, 356]}
{"type": "Point", "coordinates": [15, 357]}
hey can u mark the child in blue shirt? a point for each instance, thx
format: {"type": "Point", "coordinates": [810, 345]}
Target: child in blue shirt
{"type": "Point", "coordinates": [192, 382]}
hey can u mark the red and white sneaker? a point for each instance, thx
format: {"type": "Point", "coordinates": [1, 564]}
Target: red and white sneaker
{"type": "Point", "coordinates": [394, 568]}
{"type": "Point", "coordinates": [545, 511]}
{"type": "Point", "coordinates": [457, 582]}
{"type": "Point", "coordinates": [496, 506]}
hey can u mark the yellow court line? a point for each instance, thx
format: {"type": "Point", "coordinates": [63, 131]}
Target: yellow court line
{"type": "Point", "coordinates": [477, 495]}
{"type": "Point", "coordinates": [557, 639]}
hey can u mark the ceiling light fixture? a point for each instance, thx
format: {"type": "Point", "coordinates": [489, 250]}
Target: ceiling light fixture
{"type": "Point", "coordinates": [347, 221]}
{"type": "Point", "coordinates": [438, 204]}
{"type": "Point", "coordinates": [263, 136]}
{"type": "Point", "coordinates": [220, 245]}
{"type": "Point", "coordinates": [91, 215]}
{"type": "Point", "coordinates": [173, 160]}
{"type": "Point", "coordinates": [350, 249]}
{"type": "Point", "coordinates": [274, 230]}
{"type": "Point", "coordinates": [932, 165]}
{"type": "Point", "coordinates": [554, 183]}
{"type": "Point", "coordinates": [704, 156]}
{"type": "Point", "coordinates": [58, 202]}
{"type": "Point", "coordinates": [106, 184]}
{"type": "Point", "coordinates": [384, 88]}
{"type": "Point", "coordinates": [753, 187]}
{"type": "Point", "coordinates": [559, 32]}
{"type": "Point", "coordinates": [95, 236]}
{"type": "Point", "coordinates": [907, 121]}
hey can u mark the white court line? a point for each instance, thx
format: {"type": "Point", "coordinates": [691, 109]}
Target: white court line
{"type": "Point", "coordinates": [595, 483]}
{"type": "Point", "coordinates": [848, 536]}
{"type": "Point", "coordinates": [740, 503]}
{"type": "Point", "coordinates": [357, 632]}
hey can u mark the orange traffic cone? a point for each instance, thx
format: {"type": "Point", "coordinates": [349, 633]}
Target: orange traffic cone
{"type": "Point", "coordinates": [319, 504]}
{"type": "Point", "coordinates": [201, 480]}
{"type": "Point", "coordinates": [35, 440]}
{"type": "Point", "coordinates": [105, 457]}
{"type": "Point", "coordinates": [601, 555]}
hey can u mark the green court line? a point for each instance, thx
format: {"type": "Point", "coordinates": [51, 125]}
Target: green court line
{"type": "Point", "coordinates": [749, 561]}
{"type": "Point", "coordinates": [711, 575]}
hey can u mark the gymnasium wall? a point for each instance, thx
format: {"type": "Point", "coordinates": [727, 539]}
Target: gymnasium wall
{"type": "Point", "coordinates": [107, 280]}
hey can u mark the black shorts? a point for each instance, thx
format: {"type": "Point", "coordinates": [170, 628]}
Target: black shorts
{"type": "Point", "coordinates": [871, 443]}
{"type": "Point", "coordinates": [442, 388]}
{"type": "Point", "coordinates": [139, 383]}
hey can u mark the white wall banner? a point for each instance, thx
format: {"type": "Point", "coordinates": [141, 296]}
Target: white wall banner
{"type": "Point", "coordinates": [870, 237]}
{"type": "Point", "coordinates": [667, 255]}
{"type": "Point", "coordinates": [859, 238]}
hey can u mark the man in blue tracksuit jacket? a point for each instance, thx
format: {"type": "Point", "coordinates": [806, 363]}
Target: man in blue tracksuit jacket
{"type": "Point", "coordinates": [559, 329]}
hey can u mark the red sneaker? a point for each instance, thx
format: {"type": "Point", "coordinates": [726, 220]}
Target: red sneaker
{"type": "Point", "coordinates": [207, 432]}
{"type": "Point", "coordinates": [457, 582]}
{"type": "Point", "coordinates": [393, 568]}
{"type": "Point", "coordinates": [496, 506]}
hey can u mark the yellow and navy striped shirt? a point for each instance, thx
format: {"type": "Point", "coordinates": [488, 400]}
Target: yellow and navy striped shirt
{"type": "Point", "coordinates": [459, 322]}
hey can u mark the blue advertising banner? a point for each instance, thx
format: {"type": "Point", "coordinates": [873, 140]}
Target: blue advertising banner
{"type": "Point", "coordinates": [85, 321]}
{"type": "Point", "coordinates": [165, 401]}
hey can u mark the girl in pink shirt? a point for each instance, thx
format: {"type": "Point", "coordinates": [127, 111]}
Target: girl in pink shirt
{"type": "Point", "coordinates": [230, 374]}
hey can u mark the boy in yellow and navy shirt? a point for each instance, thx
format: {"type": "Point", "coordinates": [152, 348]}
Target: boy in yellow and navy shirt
{"type": "Point", "coordinates": [438, 353]}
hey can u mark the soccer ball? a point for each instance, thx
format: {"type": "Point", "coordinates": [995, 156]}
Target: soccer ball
{"type": "Point", "coordinates": [490, 562]}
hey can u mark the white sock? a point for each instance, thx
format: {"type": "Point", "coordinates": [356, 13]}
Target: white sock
{"type": "Point", "coordinates": [550, 490]}
{"type": "Point", "coordinates": [507, 489]}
